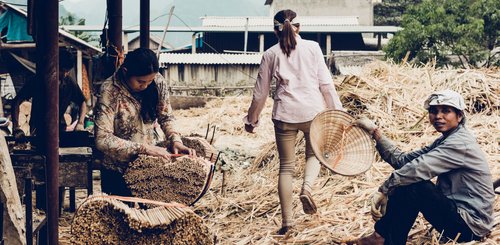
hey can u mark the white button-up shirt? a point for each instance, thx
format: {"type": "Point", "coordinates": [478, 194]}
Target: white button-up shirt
{"type": "Point", "coordinates": [304, 85]}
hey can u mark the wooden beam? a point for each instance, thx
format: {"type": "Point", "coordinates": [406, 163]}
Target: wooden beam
{"type": "Point", "coordinates": [261, 43]}
{"type": "Point", "coordinates": [79, 70]}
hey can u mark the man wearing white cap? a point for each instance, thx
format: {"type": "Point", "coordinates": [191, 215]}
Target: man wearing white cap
{"type": "Point", "coordinates": [460, 204]}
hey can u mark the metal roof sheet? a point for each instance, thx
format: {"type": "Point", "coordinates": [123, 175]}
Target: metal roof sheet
{"type": "Point", "coordinates": [240, 21]}
{"type": "Point", "coordinates": [209, 59]}
{"type": "Point", "coordinates": [259, 29]}
{"type": "Point", "coordinates": [62, 32]}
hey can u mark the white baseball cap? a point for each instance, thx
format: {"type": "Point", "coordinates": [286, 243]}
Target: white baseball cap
{"type": "Point", "coordinates": [445, 97]}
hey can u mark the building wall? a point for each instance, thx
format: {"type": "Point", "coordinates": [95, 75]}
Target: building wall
{"type": "Point", "coordinates": [210, 75]}
{"type": "Point", "coordinates": [361, 8]}
{"type": "Point", "coordinates": [135, 44]}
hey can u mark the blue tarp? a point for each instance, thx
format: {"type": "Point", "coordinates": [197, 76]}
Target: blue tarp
{"type": "Point", "coordinates": [17, 30]}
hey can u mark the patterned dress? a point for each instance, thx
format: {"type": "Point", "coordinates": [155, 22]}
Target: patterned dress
{"type": "Point", "coordinates": [120, 131]}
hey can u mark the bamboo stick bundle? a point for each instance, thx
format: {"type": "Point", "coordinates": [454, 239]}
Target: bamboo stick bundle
{"type": "Point", "coordinates": [201, 146]}
{"type": "Point", "coordinates": [103, 219]}
{"type": "Point", "coordinates": [182, 180]}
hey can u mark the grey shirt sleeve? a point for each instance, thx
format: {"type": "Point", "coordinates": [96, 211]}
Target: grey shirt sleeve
{"type": "Point", "coordinates": [394, 156]}
{"type": "Point", "coordinates": [442, 158]}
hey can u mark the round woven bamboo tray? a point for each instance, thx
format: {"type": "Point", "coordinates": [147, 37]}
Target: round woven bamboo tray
{"type": "Point", "coordinates": [339, 145]}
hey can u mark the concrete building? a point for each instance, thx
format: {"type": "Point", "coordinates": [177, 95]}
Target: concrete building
{"type": "Point", "coordinates": [154, 42]}
{"type": "Point", "coordinates": [361, 8]}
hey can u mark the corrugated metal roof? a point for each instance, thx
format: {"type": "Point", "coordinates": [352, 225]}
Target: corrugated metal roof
{"type": "Point", "coordinates": [237, 21]}
{"type": "Point", "coordinates": [62, 32]}
{"type": "Point", "coordinates": [260, 29]}
{"type": "Point", "coordinates": [209, 59]}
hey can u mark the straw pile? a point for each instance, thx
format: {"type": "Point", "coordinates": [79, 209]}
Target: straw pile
{"type": "Point", "coordinates": [392, 96]}
{"type": "Point", "coordinates": [182, 180]}
{"type": "Point", "coordinates": [105, 219]}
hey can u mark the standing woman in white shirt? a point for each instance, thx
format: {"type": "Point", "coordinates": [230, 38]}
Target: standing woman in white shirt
{"type": "Point", "coordinates": [304, 87]}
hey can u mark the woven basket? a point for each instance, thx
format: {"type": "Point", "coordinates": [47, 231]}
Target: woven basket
{"type": "Point", "coordinates": [339, 145]}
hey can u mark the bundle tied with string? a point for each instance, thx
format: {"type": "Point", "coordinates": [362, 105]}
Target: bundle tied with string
{"type": "Point", "coordinates": [183, 179]}
{"type": "Point", "coordinates": [103, 219]}
{"type": "Point", "coordinates": [339, 145]}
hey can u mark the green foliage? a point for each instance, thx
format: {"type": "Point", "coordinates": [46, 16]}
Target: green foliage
{"type": "Point", "coordinates": [389, 12]}
{"type": "Point", "coordinates": [453, 32]}
{"type": "Point", "coordinates": [71, 19]}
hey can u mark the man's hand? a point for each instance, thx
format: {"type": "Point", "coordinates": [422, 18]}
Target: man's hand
{"type": "Point", "coordinates": [366, 124]}
{"type": "Point", "coordinates": [379, 205]}
{"type": "Point", "coordinates": [249, 128]}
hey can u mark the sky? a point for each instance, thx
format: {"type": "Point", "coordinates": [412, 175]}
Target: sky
{"type": "Point", "coordinates": [187, 11]}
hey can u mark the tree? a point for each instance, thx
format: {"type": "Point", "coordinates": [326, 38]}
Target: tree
{"type": "Point", "coordinates": [453, 32]}
{"type": "Point", "coordinates": [71, 19]}
{"type": "Point", "coordinates": [389, 12]}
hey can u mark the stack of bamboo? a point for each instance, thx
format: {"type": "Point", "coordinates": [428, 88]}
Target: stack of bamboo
{"type": "Point", "coordinates": [201, 146]}
{"type": "Point", "coordinates": [24, 116]}
{"type": "Point", "coordinates": [392, 96]}
{"type": "Point", "coordinates": [181, 180]}
{"type": "Point", "coordinates": [103, 219]}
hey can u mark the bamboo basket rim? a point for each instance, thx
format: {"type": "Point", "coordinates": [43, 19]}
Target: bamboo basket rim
{"type": "Point", "coordinates": [352, 154]}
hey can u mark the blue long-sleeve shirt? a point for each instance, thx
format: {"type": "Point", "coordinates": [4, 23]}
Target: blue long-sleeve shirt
{"type": "Point", "coordinates": [463, 174]}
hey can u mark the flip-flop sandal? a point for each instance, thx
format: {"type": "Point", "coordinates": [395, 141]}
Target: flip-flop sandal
{"type": "Point", "coordinates": [308, 204]}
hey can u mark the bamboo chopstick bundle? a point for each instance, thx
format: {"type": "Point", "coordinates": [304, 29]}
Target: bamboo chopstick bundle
{"type": "Point", "coordinates": [182, 180]}
{"type": "Point", "coordinates": [103, 219]}
{"type": "Point", "coordinates": [201, 146]}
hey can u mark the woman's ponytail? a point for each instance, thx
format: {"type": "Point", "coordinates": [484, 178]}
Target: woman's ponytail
{"type": "Point", "coordinates": [285, 30]}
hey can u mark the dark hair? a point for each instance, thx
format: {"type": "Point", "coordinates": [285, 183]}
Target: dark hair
{"type": "Point", "coordinates": [287, 35]}
{"type": "Point", "coordinates": [142, 62]}
{"type": "Point", "coordinates": [461, 114]}
{"type": "Point", "coordinates": [66, 60]}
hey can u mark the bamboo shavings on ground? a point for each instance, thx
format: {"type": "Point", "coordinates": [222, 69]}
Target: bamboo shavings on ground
{"type": "Point", "coordinates": [392, 95]}
{"type": "Point", "coordinates": [102, 219]}
{"type": "Point", "coordinates": [159, 179]}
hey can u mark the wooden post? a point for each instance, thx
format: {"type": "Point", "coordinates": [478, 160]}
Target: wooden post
{"type": "Point", "coordinates": [79, 77]}
{"type": "Point", "coordinates": [12, 222]}
{"type": "Point", "coordinates": [144, 22]}
{"type": "Point", "coordinates": [246, 37]}
{"type": "Point", "coordinates": [328, 44]}
{"type": "Point", "coordinates": [47, 72]}
{"type": "Point", "coordinates": [261, 43]}
{"type": "Point", "coordinates": [379, 41]}
{"type": "Point", "coordinates": [193, 43]}
{"type": "Point", "coordinates": [125, 42]}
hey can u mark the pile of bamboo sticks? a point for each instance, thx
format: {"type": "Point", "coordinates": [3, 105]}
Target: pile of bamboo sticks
{"type": "Point", "coordinates": [201, 146]}
{"type": "Point", "coordinates": [180, 180]}
{"type": "Point", "coordinates": [103, 219]}
{"type": "Point", "coordinates": [392, 96]}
